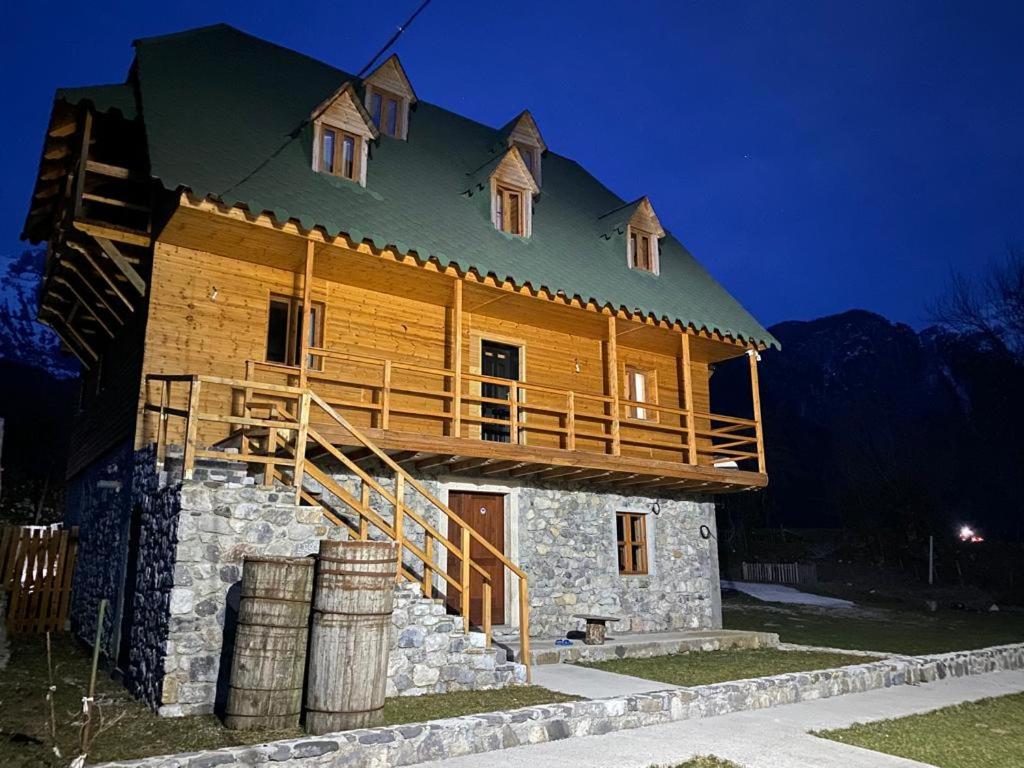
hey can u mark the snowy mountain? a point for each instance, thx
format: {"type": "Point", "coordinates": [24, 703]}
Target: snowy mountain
{"type": "Point", "coordinates": [23, 339]}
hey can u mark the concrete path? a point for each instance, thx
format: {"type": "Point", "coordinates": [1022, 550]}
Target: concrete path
{"type": "Point", "coordinates": [592, 683]}
{"type": "Point", "coordinates": [768, 738]}
{"type": "Point", "coordinates": [776, 593]}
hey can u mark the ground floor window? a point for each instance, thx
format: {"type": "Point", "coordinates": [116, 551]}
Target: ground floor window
{"type": "Point", "coordinates": [631, 535]}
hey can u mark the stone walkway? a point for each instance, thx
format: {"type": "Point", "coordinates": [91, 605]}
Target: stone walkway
{"type": "Point", "coordinates": [592, 683]}
{"type": "Point", "coordinates": [771, 738]}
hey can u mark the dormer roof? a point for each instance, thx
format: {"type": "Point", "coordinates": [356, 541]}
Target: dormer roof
{"type": "Point", "coordinates": [344, 110]}
{"type": "Point", "coordinates": [638, 214]}
{"type": "Point", "coordinates": [523, 128]}
{"type": "Point", "coordinates": [390, 76]}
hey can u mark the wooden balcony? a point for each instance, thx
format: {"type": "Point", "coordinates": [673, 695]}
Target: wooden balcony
{"type": "Point", "coordinates": [462, 423]}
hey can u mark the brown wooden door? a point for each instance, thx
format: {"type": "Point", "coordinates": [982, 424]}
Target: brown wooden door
{"type": "Point", "coordinates": [485, 513]}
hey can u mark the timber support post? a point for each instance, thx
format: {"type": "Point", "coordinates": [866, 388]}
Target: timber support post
{"type": "Point", "coordinates": [612, 364]}
{"type": "Point", "coordinates": [691, 431]}
{"type": "Point", "coordinates": [755, 393]}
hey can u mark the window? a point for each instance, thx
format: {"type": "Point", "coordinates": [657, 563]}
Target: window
{"type": "Point", "coordinates": [643, 249]}
{"type": "Point", "coordinates": [284, 342]}
{"type": "Point", "coordinates": [531, 156]}
{"type": "Point", "coordinates": [338, 153]}
{"type": "Point", "coordinates": [508, 210]}
{"type": "Point", "coordinates": [631, 537]}
{"type": "Point", "coordinates": [641, 387]}
{"type": "Point", "coordinates": [385, 109]}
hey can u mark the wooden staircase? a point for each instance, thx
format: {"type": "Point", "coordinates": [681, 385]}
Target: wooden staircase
{"type": "Point", "coordinates": [272, 426]}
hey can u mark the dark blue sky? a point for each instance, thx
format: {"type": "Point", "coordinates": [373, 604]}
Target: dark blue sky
{"type": "Point", "coordinates": [815, 156]}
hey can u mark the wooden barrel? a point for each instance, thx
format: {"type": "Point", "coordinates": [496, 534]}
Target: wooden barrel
{"type": "Point", "coordinates": [351, 635]}
{"type": "Point", "coordinates": [269, 659]}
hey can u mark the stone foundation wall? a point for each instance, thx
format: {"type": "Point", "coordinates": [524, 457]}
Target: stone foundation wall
{"type": "Point", "coordinates": [100, 501]}
{"type": "Point", "coordinates": [474, 734]}
{"type": "Point", "coordinates": [564, 537]}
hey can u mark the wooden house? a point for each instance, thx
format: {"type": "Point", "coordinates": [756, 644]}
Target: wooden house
{"type": "Point", "coordinates": [406, 323]}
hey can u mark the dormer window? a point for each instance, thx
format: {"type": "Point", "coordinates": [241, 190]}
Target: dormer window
{"type": "Point", "coordinates": [523, 134]}
{"type": "Point", "coordinates": [642, 232]}
{"type": "Point", "coordinates": [508, 210]}
{"type": "Point", "coordinates": [643, 247]}
{"type": "Point", "coordinates": [339, 153]}
{"type": "Point", "coordinates": [389, 95]}
{"type": "Point", "coordinates": [385, 109]}
{"type": "Point", "coordinates": [342, 130]}
{"type": "Point", "coordinates": [512, 190]}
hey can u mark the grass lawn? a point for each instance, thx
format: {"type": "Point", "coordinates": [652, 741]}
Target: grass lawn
{"type": "Point", "coordinates": [875, 628]}
{"type": "Point", "coordinates": [981, 734]}
{"type": "Point", "coordinates": [128, 729]}
{"type": "Point", "coordinates": [701, 668]}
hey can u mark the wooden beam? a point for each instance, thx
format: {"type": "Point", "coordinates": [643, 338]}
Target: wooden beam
{"type": "Point", "coordinates": [434, 461]}
{"type": "Point", "coordinates": [115, 255]}
{"type": "Point", "coordinates": [117, 234]}
{"type": "Point", "coordinates": [559, 472]}
{"type": "Point", "coordinates": [527, 469]}
{"type": "Point", "coordinates": [115, 171]}
{"type": "Point", "coordinates": [612, 373]}
{"type": "Point", "coordinates": [456, 359]}
{"type": "Point", "coordinates": [70, 266]}
{"type": "Point", "coordinates": [755, 393]}
{"type": "Point", "coordinates": [67, 342]}
{"type": "Point", "coordinates": [63, 129]}
{"type": "Point", "coordinates": [115, 202]}
{"type": "Point", "coordinates": [83, 158]}
{"type": "Point", "coordinates": [687, 384]}
{"type": "Point", "coordinates": [499, 467]}
{"type": "Point", "coordinates": [467, 465]}
{"type": "Point", "coordinates": [83, 304]}
{"type": "Point", "coordinates": [400, 457]}
{"type": "Point", "coordinates": [307, 286]}
{"type": "Point", "coordinates": [101, 272]}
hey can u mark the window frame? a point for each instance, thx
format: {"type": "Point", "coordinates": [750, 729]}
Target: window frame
{"type": "Point", "coordinates": [628, 544]}
{"type": "Point", "coordinates": [337, 161]}
{"type": "Point", "coordinates": [503, 194]}
{"type": "Point", "coordinates": [650, 377]}
{"type": "Point", "coordinates": [401, 111]}
{"type": "Point", "coordinates": [292, 340]}
{"type": "Point", "coordinates": [633, 238]}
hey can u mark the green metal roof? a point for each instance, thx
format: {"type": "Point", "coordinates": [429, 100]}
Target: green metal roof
{"type": "Point", "coordinates": [221, 107]}
{"type": "Point", "coordinates": [104, 98]}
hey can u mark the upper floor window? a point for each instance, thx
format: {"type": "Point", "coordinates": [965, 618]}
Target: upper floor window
{"type": "Point", "coordinates": [643, 251]}
{"type": "Point", "coordinates": [284, 330]}
{"type": "Point", "coordinates": [342, 130]}
{"type": "Point", "coordinates": [386, 111]}
{"type": "Point", "coordinates": [388, 98]}
{"type": "Point", "coordinates": [339, 153]}
{"type": "Point", "coordinates": [508, 210]}
{"type": "Point", "coordinates": [641, 387]}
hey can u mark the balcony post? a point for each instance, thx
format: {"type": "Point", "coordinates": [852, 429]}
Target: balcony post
{"type": "Point", "coordinates": [456, 359]}
{"type": "Point", "coordinates": [307, 284]}
{"type": "Point", "coordinates": [691, 432]}
{"type": "Point", "coordinates": [612, 363]}
{"type": "Point", "coordinates": [755, 393]}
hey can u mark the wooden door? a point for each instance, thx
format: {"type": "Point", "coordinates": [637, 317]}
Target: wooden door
{"type": "Point", "coordinates": [485, 513]}
{"type": "Point", "coordinates": [499, 361]}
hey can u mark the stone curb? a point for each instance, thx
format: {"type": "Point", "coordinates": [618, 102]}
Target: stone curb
{"type": "Point", "coordinates": [472, 734]}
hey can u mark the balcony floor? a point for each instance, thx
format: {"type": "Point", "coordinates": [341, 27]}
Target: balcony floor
{"type": "Point", "coordinates": [498, 461]}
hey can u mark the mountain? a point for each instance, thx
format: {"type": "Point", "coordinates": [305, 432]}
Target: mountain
{"type": "Point", "coordinates": [23, 339]}
{"type": "Point", "coordinates": [873, 426]}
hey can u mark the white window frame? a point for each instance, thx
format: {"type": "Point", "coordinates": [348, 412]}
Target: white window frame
{"type": "Point", "coordinates": [526, 202]}
{"type": "Point", "coordinates": [655, 250]}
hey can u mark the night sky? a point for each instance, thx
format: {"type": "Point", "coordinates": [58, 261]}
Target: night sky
{"type": "Point", "coordinates": [815, 156]}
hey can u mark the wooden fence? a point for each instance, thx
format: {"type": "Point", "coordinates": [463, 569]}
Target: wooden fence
{"type": "Point", "coordinates": [37, 565]}
{"type": "Point", "coordinates": [781, 573]}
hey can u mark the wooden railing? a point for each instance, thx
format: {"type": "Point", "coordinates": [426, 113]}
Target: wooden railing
{"type": "Point", "coordinates": [273, 426]}
{"type": "Point", "coordinates": [384, 391]}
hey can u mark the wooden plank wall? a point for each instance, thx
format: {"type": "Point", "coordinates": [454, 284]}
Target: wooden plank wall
{"type": "Point", "coordinates": [208, 314]}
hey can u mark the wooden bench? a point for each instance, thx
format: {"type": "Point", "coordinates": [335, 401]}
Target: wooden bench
{"type": "Point", "coordinates": [595, 627]}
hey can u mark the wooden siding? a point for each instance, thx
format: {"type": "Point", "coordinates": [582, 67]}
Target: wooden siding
{"type": "Point", "coordinates": [208, 314]}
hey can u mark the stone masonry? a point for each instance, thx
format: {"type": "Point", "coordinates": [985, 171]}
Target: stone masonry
{"type": "Point", "coordinates": [492, 731]}
{"type": "Point", "coordinates": [194, 538]}
{"type": "Point", "coordinates": [567, 545]}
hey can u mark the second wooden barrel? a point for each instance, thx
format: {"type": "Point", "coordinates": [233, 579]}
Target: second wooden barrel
{"type": "Point", "coordinates": [269, 659]}
{"type": "Point", "coordinates": [351, 635]}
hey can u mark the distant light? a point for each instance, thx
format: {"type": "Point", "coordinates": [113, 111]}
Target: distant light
{"type": "Point", "coordinates": [968, 534]}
